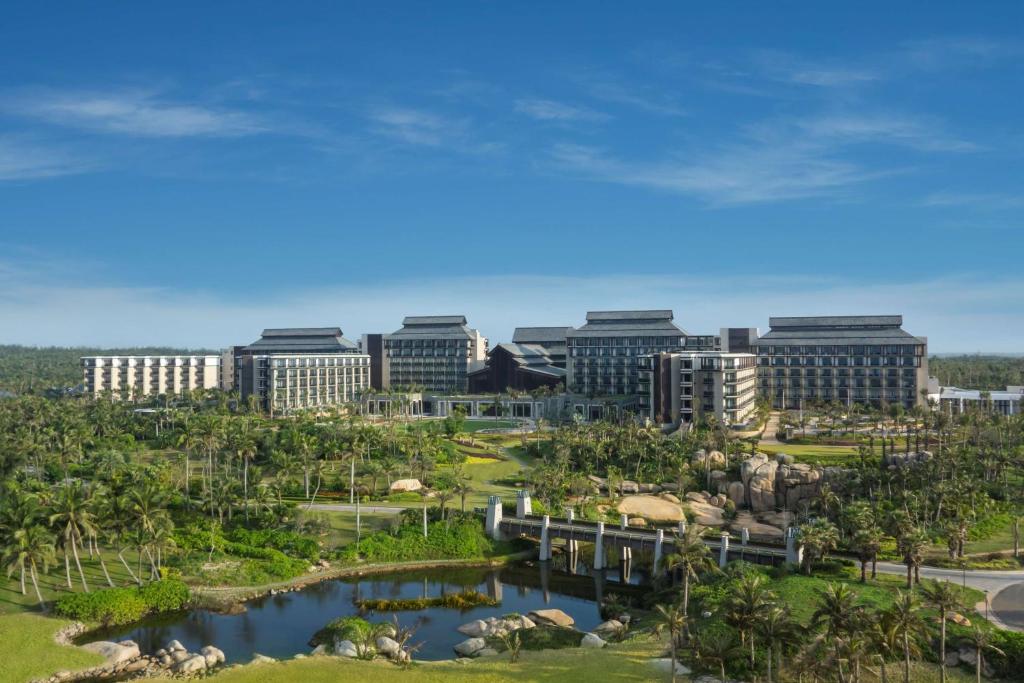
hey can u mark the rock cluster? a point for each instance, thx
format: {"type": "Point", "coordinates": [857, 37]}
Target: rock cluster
{"type": "Point", "coordinates": [896, 460]}
{"type": "Point", "coordinates": [124, 659]}
{"type": "Point", "coordinates": [480, 629]}
{"type": "Point", "coordinates": [493, 626]}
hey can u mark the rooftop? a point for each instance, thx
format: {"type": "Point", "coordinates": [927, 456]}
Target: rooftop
{"type": "Point", "coordinates": [434, 327]}
{"type": "Point", "coordinates": [302, 340]}
{"type": "Point", "coordinates": [627, 324]}
{"type": "Point", "coordinates": [543, 335]}
{"type": "Point", "coordinates": [835, 321]}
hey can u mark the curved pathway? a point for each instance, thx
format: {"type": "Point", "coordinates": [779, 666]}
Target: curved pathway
{"type": "Point", "coordinates": [1005, 589]}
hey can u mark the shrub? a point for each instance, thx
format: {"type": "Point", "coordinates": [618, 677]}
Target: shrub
{"type": "Point", "coordinates": [461, 601]}
{"type": "Point", "coordinates": [456, 539]}
{"type": "Point", "coordinates": [112, 606]}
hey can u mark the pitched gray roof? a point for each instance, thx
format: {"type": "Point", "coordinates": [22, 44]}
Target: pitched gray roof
{"type": "Point", "coordinates": [836, 321]}
{"type": "Point", "coordinates": [434, 327]}
{"type": "Point", "coordinates": [434, 320]}
{"type": "Point", "coordinates": [837, 329]}
{"type": "Point", "coordinates": [627, 324]}
{"type": "Point", "coordinates": [302, 340]}
{"type": "Point", "coordinates": [533, 335]}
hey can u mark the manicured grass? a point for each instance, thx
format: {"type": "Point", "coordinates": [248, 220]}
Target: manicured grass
{"type": "Point", "coordinates": [28, 651]}
{"type": "Point", "coordinates": [54, 584]}
{"type": "Point", "coordinates": [475, 425]}
{"type": "Point", "coordinates": [621, 662]}
{"type": "Point", "coordinates": [815, 453]}
{"type": "Point", "coordinates": [343, 525]}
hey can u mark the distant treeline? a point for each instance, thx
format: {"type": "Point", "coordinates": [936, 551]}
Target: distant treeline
{"type": "Point", "coordinates": [977, 372]}
{"type": "Point", "coordinates": [34, 370]}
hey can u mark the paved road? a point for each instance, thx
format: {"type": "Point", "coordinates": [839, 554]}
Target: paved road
{"type": "Point", "coordinates": [339, 507]}
{"type": "Point", "coordinates": [1005, 589]}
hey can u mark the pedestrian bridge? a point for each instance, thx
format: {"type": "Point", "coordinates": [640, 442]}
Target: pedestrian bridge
{"type": "Point", "coordinates": [626, 539]}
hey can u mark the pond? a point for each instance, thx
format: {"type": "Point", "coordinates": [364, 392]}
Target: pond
{"type": "Point", "coordinates": [280, 626]}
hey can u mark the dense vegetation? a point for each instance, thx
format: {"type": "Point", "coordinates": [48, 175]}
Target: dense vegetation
{"type": "Point", "coordinates": [33, 370]}
{"type": "Point", "coordinates": [978, 372]}
{"type": "Point", "coordinates": [112, 606]}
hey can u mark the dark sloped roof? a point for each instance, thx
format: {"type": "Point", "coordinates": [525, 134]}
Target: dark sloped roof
{"type": "Point", "coordinates": [837, 329]}
{"type": "Point", "coordinates": [302, 340]}
{"type": "Point", "coordinates": [533, 335]}
{"type": "Point", "coordinates": [434, 327]}
{"type": "Point", "coordinates": [434, 320]}
{"type": "Point", "coordinates": [836, 321]}
{"type": "Point", "coordinates": [627, 323]}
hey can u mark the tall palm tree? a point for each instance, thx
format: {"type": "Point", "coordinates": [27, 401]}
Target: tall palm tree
{"type": "Point", "coordinates": [911, 544]}
{"type": "Point", "coordinates": [36, 550]}
{"type": "Point", "coordinates": [840, 613]}
{"type": "Point", "coordinates": [747, 601]}
{"type": "Point", "coordinates": [982, 641]}
{"type": "Point", "coordinates": [943, 596]}
{"type": "Point", "coordinates": [673, 620]}
{"type": "Point", "coordinates": [692, 558]}
{"type": "Point", "coordinates": [905, 619]}
{"type": "Point", "coordinates": [818, 537]}
{"type": "Point", "coordinates": [867, 542]}
{"type": "Point", "coordinates": [72, 520]}
{"type": "Point", "coordinates": [778, 631]}
{"type": "Point", "coordinates": [718, 646]}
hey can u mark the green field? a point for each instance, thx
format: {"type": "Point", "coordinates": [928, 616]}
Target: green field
{"type": "Point", "coordinates": [343, 525]}
{"type": "Point", "coordinates": [28, 651]}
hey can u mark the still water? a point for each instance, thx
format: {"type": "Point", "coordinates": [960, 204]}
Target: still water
{"type": "Point", "coordinates": [280, 626]}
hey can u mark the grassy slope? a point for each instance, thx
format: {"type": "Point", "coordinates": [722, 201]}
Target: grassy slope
{"type": "Point", "coordinates": [343, 525]}
{"type": "Point", "coordinates": [54, 584]}
{"type": "Point", "coordinates": [27, 649]}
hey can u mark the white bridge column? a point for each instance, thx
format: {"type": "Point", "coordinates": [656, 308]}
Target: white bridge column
{"type": "Point", "coordinates": [599, 547]}
{"type": "Point", "coordinates": [659, 539]}
{"type": "Point", "coordinates": [572, 546]}
{"type": "Point", "coordinates": [625, 552]}
{"type": "Point", "coordinates": [794, 552]}
{"type": "Point", "coordinates": [723, 552]}
{"type": "Point", "coordinates": [682, 528]}
{"type": "Point", "coordinates": [545, 540]}
{"type": "Point", "coordinates": [494, 517]}
{"type": "Point", "coordinates": [524, 507]}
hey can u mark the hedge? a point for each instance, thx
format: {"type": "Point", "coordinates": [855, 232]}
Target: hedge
{"type": "Point", "coordinates": [112, 606]}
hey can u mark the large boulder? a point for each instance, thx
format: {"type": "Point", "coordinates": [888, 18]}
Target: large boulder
{"type": "Point", "coordinates": [703, 459]}
{"type": "Point", "coordinates": [474, 629]}
{"type": "Point", "coordinates": [610, 626]}
{"type": "Point", "coordinates": [404, 485]}
{"type": "Point", "coordinates": [757, 530]}
{"type": "Point", "coordinates": [174, 646]}
{"type": "Point", "coordinates": [670, 497]}
{"type": "Point", "coordinates": [706, 514]}
{"type": "Point", "coordinates": [592, 641]}
{"type": "Point", "coordinates": [798, 482]}
{"type": "Point", "coordinates": [651, 507]}
{"type": "Point", "coordinates": [193, 664]}
{"type": "Point", "coordinates": [470, 647]}
{"type": "Point", "coordinates": [388, 646]}
{"type": "Point", "coordinates": [345, 648]}
{"type": "Point", "coordinates": [758, 475]}
{"type": "Point", "coordinates": [114, 653]}
{"type": "Point", "coordinates": [213, 655]}
{"type": "Point", "coordinates": [628, 487]}
{"type": "Point", "coordinates": [555, 617]}
{"type": "Point", "coordinates": [737, 492]}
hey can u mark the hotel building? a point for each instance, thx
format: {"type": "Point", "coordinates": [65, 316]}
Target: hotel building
{"type": "Point", "coordinates": [687, 387]}
{"type": "Point", "coordinates": [603, 353]}
{"type": "Point", "coordinates": [434, 353]}
{"type": "Point", "coordinates": [133, 377]}
{"type": "Point", "coordinates": [850, 359]}
{"type": "Point", "coordinates": [534, 359]}
{"type": "Point", "coordinates": [301, 368]}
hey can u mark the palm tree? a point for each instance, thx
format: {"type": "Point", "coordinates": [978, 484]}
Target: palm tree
{"type": "Point", "coordinates": [72, 520]}
{"type": "Point", "coordinates": [867, 541]}
{"type": "Point", "coordinates": [905, 619]}
{"type": "Point", "coordinates": [673, 620]}
{"type": "Point", "coordinates": [944, 597]}
{"type": "Point", "coordinates": [692, 557]}
{"type": "Point", "coordinates": [748, 600]}
{"type": "Point", "coordinates": [982, 640]}
{"type": "Point", "coordinates": [718, 646]}
{"type": "Point", "coordinates": [840, 612]}
{"type": "Point", "coordinates": [818, 537]}
{"type": "Point", "coordinates": [777, 630]}
{"type": "Point", "coordinates": [911, 544]}
{"type": "Point", "coordinates": [36, 550]}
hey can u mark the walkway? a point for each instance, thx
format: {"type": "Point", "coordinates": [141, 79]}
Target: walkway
{"type": "Point", "coordinates": [1005, 589]}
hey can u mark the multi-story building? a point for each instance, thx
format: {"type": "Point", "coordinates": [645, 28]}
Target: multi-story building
{"type": "Point", "coordinates": [956, 401]}
{"type": "Point", "coordinates": [133, 377]}
{"type": "Point", "coordinates": [534, 359]}
{"type": "Point", "coordinates": [688, 387]}
{"type": "Point", "coordinates": [373, 345]}
{"type": "Point", "coordinates": [869, 360]}
{"type": "Point", "coordinates": [602, 354]}
{"type": "Point", "coordinates": [433, 352]}
{"type": "Point", "coordinates": [739, 339]}
{"type": "Point", "coordinates": [301, 368]}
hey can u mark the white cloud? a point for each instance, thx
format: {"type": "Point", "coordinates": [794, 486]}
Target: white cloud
{"type": "Point", "coordinates": [549, 110]}
{"type": "Point", "coordinates": [956, 313]}
{"type": "Point", "coordinates": [892, 129]}
{"type": "Point", "coordinates": [787, 68]}
{"type": "Point", "coordinates": [21, 160]}
{"type": "Point", "coordinates": [412, 126]}
{"type": "Point", "coordinates": [139, 114]}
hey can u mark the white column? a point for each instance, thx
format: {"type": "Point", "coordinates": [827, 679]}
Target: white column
{"type": "Point", "coordinates": [723, 552]}
{"type": "Point", "coordinates": [599, 547]}
{"type": "Point", "coordinates": [545, 540]}
{"type": "Point", "coordinates": [682, 528]}
{"type": "Point", "coordinates": [625, 552]}
{"type": "Point", "coordinates": [523, 505]}
{"type": "Point", "coordinates": [657, 550]}
{"type": "Point", "coordinates": [494, 517]}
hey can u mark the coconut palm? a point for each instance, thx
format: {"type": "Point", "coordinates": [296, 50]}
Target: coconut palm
{"type": "Point", "coordinates": [35, 549]}
{"type": "Point", "coordinates": [777, 630]}
{"type": "Point", "coordinates": [905, 620]}
{"type": "Point", "coordinates": [672, 620]}
{"type": "Point", "coordinates": [692, 558]}
{"type": "Point", "coordinates": [841, 614]}
{"type": "Point", "coordinates": [718, 647]}
{"type": "Point", "coordinates": [72, 520]}
{"type": "Point", "coordinates": [982, 641]}
{"type": "Point", "coordinates": [818, 538]}
{"type": "Point", "coordinates": [945, 598]}
{"type": "Point", "coordinates": [866, 542]}
{"type": "Point", "coordinates": [911, 543]}
{"type": "Point", "coordinates": [747, 601]}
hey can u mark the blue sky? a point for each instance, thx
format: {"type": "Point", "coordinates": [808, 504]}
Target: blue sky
{"type": "Point", "coordinates": [191, 173]}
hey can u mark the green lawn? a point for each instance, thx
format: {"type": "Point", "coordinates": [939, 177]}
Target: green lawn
{"type": "Point", "coordinates": [53, 584]}
{"type": "Point", "coordinates": [343, 525]}
{"type": "Point", "coordinates": [815, 453]}
{"type": "Point", "coordinates": [475, 425]}
{"type": "Point", "coordinates": [28, 651]}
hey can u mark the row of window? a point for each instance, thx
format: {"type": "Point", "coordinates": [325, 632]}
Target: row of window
{"type": "Point", "coordinates": [852, 350]}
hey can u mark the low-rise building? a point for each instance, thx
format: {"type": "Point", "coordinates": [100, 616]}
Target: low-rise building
{"type": "Point", "coordinates": [135, 377]}
{"type": "Point", "coordinates": [684, 388]}
{"type": "Point", "coordinates": [957, 401]}
{"type": "Point", "coordinates": [535, 359]}
{"type": "Point", "coordinates": [434, 353]}
{"type": "Point", "coordinates": [868, 359]}
{"type": "Point", "coordinates": [301, 368]}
